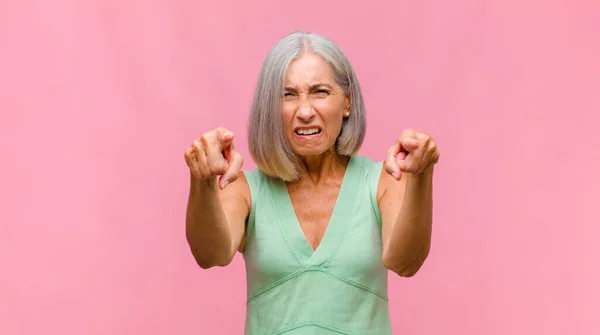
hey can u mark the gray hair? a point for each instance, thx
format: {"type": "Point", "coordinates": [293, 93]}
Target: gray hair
{"type": "Point", "coordinates": [268, 144]}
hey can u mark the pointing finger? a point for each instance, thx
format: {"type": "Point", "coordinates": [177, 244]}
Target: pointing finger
{"type": "Point", "coordinates": [410, 144]}
{"type": "Point", "coordinates": [225, 139]}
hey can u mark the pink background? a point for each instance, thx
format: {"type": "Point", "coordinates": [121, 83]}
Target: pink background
{"type": "Point", "coordinates": [100, 98]}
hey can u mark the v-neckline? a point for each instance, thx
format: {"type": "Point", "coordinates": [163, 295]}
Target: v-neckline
{"type": "Point", "coordinates": [336, 227]}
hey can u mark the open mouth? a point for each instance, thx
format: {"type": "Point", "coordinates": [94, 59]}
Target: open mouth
{"type": "Point", "coordinates": [308, 131]}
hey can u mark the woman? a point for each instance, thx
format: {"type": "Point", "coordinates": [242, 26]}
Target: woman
{"type": "Point", "coordinates": [318, 225]}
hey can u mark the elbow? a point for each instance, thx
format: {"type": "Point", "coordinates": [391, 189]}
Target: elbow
{"type": "Point", "coordinates": [207, 261]}
{"type": "Point", "coordinates": [404, 267]}
{"type": "Point", "coordinates": [210, 255]}
{"type": "Point", "coordinates": [207, 265]}
{"type": "Point", "coordinates": [204, 265]}
{"type": "Point", "coordinates": [405, 270]}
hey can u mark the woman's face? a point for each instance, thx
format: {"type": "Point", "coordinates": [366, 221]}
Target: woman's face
{"type": "Point", "coordinates": [314, 106]}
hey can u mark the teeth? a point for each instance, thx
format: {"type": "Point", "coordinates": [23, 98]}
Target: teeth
{"type": "Point", "coordinates": [310, 131]}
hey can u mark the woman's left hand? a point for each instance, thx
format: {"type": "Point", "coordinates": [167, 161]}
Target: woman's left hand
{"type": "Point", "coordinates": [413, 152]}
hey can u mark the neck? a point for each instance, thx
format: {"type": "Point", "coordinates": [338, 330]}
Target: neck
{"type": "Point", "coordinates": [319, 167]}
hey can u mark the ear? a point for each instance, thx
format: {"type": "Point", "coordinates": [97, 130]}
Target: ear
{"type": "Point", "coordinates": [347, 109]}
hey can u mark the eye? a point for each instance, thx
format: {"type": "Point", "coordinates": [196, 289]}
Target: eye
{"type": "Point", "coordinates": [322, 92]}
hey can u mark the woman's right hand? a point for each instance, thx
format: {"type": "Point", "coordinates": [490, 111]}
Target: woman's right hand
{"type": "Point", "coordinates": [213, 154]}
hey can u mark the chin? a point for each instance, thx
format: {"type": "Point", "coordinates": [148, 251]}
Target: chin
{"type": "Point", "coordinates": [307, 152]}
{"type": "Point", "coordinates": [314, 147]}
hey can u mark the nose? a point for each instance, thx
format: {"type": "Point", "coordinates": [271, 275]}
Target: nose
{"type": "Point", "coordinates": [305, 111]}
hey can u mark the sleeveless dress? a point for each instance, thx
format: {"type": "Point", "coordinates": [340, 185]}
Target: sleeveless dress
{"type": "Point", "coordinates": [341, 287]}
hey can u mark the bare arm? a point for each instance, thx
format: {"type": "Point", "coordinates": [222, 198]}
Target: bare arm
{"type": "Point", "coordinates": [216, 220]}
{"type": "Point", "coordinates": [406, 203]}
{"type": "Point", "coordinates": [217, 209]}
{"type": "Point", "coordinates": [406, 209]}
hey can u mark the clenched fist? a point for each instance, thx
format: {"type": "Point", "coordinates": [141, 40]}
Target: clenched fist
{"type": "Point", "coordinates": [414, 152]}
{"type": "Point", "coordinates": [213, 154]}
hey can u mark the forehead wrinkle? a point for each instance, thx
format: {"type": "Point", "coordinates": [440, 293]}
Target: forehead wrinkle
{"type": "Point", "coordinates": [315, 77]}
{"type": "Point", "coordinates": [309, 70]}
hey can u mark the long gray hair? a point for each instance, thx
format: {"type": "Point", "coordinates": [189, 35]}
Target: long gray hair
{"type": "Point", "coordinates": [268, 144]}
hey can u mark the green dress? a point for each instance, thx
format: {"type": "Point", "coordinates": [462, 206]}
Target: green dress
{"type": "Point", "coordinates": [341, 287]}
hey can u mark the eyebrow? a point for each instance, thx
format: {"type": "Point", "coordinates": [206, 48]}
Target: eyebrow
{"type": "Point", "coordinates": [312, 87]}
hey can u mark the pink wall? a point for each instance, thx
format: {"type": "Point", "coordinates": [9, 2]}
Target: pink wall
{"type": "Point", "coordinates": [100, 98]}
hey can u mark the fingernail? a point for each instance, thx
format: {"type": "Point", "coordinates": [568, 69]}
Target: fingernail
{"type": "Point", "coordinates": [395, 175]}
{"type": "Point", "coordinates": [225, 183]}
